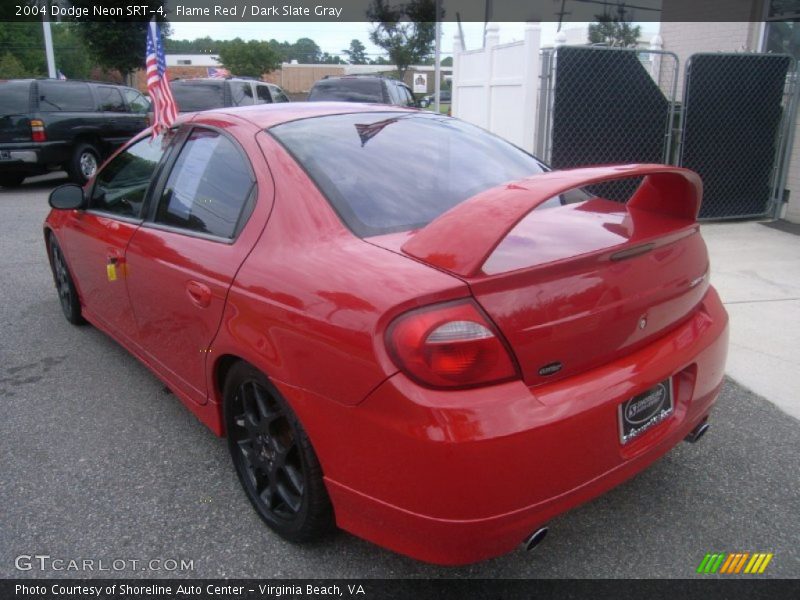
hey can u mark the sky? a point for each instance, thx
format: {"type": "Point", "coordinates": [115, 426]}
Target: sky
{"type": "Point", "coordinates": [335, 37]}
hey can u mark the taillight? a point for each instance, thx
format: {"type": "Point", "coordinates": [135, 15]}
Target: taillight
{"type": "Point", "coordinates": [37, 131]}
{"type": "Point", "coordinates": [450, 345]}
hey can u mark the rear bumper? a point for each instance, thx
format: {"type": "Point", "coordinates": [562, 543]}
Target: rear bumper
{"type": "Point", "coordinates": [32, 158]}
{"type": "Point", "coordinates": [457, 477]}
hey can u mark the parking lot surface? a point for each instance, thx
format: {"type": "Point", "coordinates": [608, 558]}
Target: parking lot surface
{"type": "Point", "coordinates": [100, 462]}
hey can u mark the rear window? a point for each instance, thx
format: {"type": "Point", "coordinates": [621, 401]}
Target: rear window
{"type": "Point", "coordinates": [15, 97]}
{"type": "Point", "coordinates": [198, 95]}
{"type": "Point", "coordinates": [348, 90]}
{"type": "Point", "coordinates": [386, 172]}
{"type": "Point", "coordinates": [60, 96]}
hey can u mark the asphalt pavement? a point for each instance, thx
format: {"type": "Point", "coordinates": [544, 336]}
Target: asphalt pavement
{"type": "Point", "coordinates": [99, 462]}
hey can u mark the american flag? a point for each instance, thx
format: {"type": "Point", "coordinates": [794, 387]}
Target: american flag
{"type": "Point", "coordinates": [164, 109]}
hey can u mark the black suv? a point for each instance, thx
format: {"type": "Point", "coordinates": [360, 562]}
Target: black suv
{"type": "Point", "coordinates": [208, 93]}
{"type": "Point", "coordinates": [362, 88]}
{"type": "Point", "coordinates": [48, 124]}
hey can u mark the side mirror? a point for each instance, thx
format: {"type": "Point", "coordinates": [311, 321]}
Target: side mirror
{"type": "Point", "coordinates": [67, 197]}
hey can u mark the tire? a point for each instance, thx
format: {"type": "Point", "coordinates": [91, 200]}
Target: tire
{"type": "Point", "coordinates": [10, 180]}
{"type": "Point", "coordinates": [67, 295]}
{"type": "Point", "coordinates": [83, 164]}
{"type": "Point", "coordinates": [273, 457]}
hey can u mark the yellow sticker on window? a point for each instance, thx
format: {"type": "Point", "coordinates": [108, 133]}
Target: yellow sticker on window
{"type": "Point", "coordinates": [111, 271]}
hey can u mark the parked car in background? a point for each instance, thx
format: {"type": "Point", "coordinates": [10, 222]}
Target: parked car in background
{"type": "Point", "coordinates": [444, 98]}
{"type": "Point", "coordinates": [48, 124]}
{"type": "Point", "coordinates": [403, 323]}
{"type": "Point", "coordinates": [362, 88]}
{"type": "Point", "coordinates": [193, 95]}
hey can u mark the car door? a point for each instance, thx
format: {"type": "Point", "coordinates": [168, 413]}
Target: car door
{"type": "Point", "coordinates": [119, 124]}
{"type": "Point", "coordinates": [183, 259]}
{"type": "Point", "coordinates": [95, 239]}
{"type": "Point", "coordinates": [263, 95]}
{"type": "Point", "coordinates": [278, 94]}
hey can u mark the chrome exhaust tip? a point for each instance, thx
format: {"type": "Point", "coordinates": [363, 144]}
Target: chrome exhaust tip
{"type": "Point", "coordinates": [696, 433]}
{"type": "Point", "coordinates": [535, 538]}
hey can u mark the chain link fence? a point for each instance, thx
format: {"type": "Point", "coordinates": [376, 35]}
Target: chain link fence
{"type": "Point", "coordinates": [607, 105]}
{"type": "Point", "coordinates": [736, 117]}
{"type": "Point", "coordinates": [733, 126]}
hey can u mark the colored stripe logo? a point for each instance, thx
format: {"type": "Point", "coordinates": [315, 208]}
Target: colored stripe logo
{"type": "Point", "coordinates": [735, 563]}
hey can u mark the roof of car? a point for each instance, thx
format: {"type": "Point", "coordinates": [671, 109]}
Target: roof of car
{"type": "Point", "coordinates": [265, 116]}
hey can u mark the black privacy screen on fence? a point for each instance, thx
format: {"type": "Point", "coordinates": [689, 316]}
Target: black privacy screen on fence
{"type": "Point", "coordinates": [607, 109]}
{"type": "Point", "coordinates": [733, 106]}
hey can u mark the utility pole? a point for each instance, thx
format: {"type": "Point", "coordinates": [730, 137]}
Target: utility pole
{"type": "Point", "coordinates": [48, 43]}
{"type": "Point", "coordinates": [437, 58]}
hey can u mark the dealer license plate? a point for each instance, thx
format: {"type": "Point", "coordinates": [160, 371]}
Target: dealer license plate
{"type": "Point", "coordinates": [645, 410]}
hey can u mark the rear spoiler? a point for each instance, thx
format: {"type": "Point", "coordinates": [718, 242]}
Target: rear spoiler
{"type": "Point", "coordinates": [461, 239]}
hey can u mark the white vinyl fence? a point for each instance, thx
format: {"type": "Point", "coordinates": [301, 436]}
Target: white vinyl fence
{"type": "Point", "coordinates": [496, 87]}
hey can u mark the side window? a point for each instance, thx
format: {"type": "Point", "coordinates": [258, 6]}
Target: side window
{"type": "Point", "coordinates": [394, 96]}
{"type": "Point", "coordinates": [109, 99]}
{"type": "Point", "coordinates": [120, 186]}
{"type": "Point", "coordinates": [55, 96]}
{"type": "Point", "coordinates": [208, 188]}
{"type": "Point", "coordinates": [277, 94]}
{"type": "Point", "coordinates": [241, 93]}
{"type": "Point", "coordinates": [136, 101]}
{"type": "Point", "coordinates": [407, 95]}
{"type": "Point", "coordinates": [262, 94]}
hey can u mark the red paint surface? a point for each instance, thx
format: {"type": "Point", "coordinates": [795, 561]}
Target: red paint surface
{"type": "Point", "coordinates": [449, 476]}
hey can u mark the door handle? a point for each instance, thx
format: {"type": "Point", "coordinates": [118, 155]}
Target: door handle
{"type": "Point", "coordinates": [199, 293]}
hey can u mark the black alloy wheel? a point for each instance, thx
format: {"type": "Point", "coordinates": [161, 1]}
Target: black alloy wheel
{"type": "Point", "coordinates": [67, 295]}
{"type": "Point", "coordinates": [273, 457]}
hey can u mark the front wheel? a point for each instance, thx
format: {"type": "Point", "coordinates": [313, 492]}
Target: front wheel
{"type": "Point", "coordinates": [273, 457]}
{"type": "Point", "coordinates": [67, 295]}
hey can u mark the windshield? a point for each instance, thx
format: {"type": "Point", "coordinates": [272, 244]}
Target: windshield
{"type": "Point", "coordinates": [15, 97]}
{"type": "Point", "coordinates": [198, 95]}
{"type": "Point", "coordinates": [347, 90]}
{"type": "Point", "coordinates": [386, 172]}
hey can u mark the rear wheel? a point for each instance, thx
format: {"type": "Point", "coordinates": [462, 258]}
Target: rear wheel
{"type": "Point", "coordinates": [10, 180]}
{"type": "Point", "coordinates": [273, 457]}
{"type": "Point", "coordinates": [67, 295]}
{"type": "Point", "coordinates": [83, 164]}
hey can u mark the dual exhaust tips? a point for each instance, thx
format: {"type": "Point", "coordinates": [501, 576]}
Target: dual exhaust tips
{"type": "Point", "coordinates": [537, 536]}
{"type": "Point", "coordinates": [696, 433]}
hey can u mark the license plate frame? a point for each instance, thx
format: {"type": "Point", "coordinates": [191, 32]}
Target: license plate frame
{"type": "Point", "coordinates": [644, 411]}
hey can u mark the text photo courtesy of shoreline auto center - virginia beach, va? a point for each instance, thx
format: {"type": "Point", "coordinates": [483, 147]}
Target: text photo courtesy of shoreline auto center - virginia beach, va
{"type": "Point", "coordinates": [399, 299]}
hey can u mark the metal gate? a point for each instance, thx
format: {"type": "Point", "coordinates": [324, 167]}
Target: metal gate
{"type": "Point", "coordinates": [736, 110]}
{"type": "Point", "coordinates": [607, 105]}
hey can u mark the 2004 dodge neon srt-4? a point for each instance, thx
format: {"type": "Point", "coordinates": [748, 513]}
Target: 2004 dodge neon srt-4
{"type": "Point", "coordinates": [403, 325]}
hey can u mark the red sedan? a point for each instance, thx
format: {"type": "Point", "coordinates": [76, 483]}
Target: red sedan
{"type": "Point", "coordinates": [403, 325]}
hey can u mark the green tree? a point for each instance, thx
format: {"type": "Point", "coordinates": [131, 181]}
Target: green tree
{"type": "Point", "coordinates": [447, 61]}
{"type": "Point", "coordinates": [118, 44]}
{"type": "Point", "coordinates": [356, 53]}
{"type": "Point", "coordinates": [614, 31]}
{"type": "Point", "coordinates": [252, 58]}
{"type": "Point", "coordinates": [304, 51]}
{"type": "Point", "coordinates": [405, 31]}
{"type": "Point", "coordinates": [331, 59]}
{"type": "Point", "coordinates": [11, 67]}
{"type": "Point", "coordinates": [25, 42]}
{"type": "Point", "coordinates": [72, 57]}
